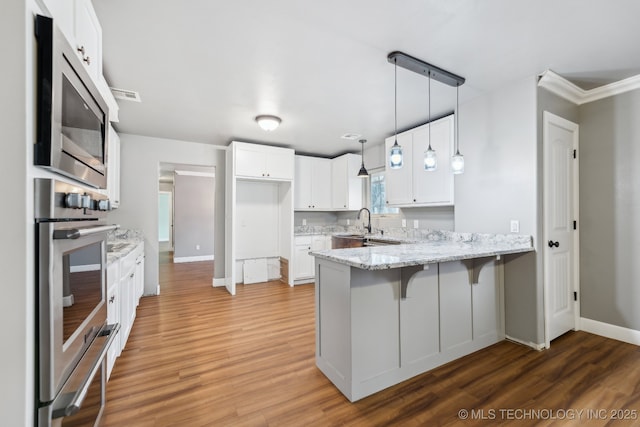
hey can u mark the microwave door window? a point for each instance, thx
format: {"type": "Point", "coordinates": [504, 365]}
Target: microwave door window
{"type": "Point", "coordinates": [82, 127]}
{"type": "Point", "coordinates": [81, 286]}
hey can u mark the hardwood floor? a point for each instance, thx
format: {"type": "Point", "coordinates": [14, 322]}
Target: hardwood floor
{"type": "Point", "coordinates": [198, 357]}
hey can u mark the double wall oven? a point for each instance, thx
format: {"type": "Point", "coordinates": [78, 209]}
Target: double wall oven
{"type": "Point", "coordinates": [73, 336]}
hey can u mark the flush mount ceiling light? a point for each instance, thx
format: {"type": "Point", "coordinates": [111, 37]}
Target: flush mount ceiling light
{"type": "Point", "coordinates": [432, 72]}
{"type": "Point", "coordinates": [363, 171]}
{"type": "Point", "coordinates": [395, 155]}
{"type": "Point", "coordinates": [268, 123]}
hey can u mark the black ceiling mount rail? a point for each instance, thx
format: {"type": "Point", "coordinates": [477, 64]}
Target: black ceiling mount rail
{"type": "Point", "coordinates": [418, 66]}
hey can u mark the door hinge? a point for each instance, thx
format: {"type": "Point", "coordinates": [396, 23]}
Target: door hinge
{"type": "Point", "coordinates": [575, 225]}
{"type": "Point", "coordinates": [575, 296]}
{"type": "Point", "coordinates": [575, 154]}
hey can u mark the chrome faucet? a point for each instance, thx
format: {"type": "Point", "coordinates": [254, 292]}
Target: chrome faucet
{"type": "Point", "coordinates": [368, 227]}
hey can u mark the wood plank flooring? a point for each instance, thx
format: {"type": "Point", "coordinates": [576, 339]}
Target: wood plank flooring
{"type": "Point", "coordinates": [198, 357]}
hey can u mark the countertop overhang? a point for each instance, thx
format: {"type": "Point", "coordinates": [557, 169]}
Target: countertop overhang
{"type": "Point", "coordinates": [426, 252]}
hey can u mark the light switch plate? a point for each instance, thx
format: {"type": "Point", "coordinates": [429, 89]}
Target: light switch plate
{"type": "Point", "coordinates": [416, 223]}
{"type": "Point", "coordinates": [304, 221]}
{"type": "Point", "coordinates": [515, 226]}
{"type": "Point", "coordinates": [348, 222]}
{"type": "Point", "coordinates": [404, 222]}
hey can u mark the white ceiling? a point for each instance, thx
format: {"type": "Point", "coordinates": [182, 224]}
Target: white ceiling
{"type": "Point", "coordinates": [205, 68]}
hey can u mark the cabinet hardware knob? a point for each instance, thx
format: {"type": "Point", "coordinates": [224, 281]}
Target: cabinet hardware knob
{"type": "Point", "coordinates": [131, 275]}
{"type": "Point", "coordinates": [87, 60]}
{"type": "Point", "coordinates": [414, 200]}
{"type": "Point", "coordinates": [81, 50]}
{"type": "Point", "coordinates": [112, 299]}
{"type": "Point", "coordinates": [552, 244]}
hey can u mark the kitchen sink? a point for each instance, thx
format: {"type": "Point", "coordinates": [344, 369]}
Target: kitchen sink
{"type": "Point", "coordinates": [359, 240]}
{"type": "Point", "coordinates": [111, 247]}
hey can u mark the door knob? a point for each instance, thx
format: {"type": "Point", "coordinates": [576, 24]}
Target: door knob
{"type": "Point", "coordinates": [552, 244]}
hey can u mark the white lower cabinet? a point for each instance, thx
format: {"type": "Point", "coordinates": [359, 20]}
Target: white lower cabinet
{"type": "Point", "coordinates": [125, 285]}
{"type": "Point", "coordinates": [304, 267]}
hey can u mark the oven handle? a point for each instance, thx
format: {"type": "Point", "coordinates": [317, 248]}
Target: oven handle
{"type": "Point", "coordinates": [74, 233]}
{"type": "Point", "coordinates": [75, 401]}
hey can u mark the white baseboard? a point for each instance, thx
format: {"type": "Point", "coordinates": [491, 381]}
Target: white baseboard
{"type": "Point", "coordinates": [607, 330]}
{"type": "Point", "coordinates": [192, 258]}
{"type": "Point", "coordinates": [218, 282]}
{"type": "Point", "coordinates": [525, 343]}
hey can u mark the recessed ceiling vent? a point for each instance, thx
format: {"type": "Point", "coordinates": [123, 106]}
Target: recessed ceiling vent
{"type": "Point", "coordinates": [351, 136]}
{"type": "Point", "coordinates": [127, 95]}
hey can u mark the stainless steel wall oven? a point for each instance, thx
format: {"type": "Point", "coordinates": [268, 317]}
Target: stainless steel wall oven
{"type": "Point", "coordinates": [72, 332]}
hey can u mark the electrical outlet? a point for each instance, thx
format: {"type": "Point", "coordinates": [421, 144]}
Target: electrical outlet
{"type": "Point", "coordinates": [515, 226]}
{"type": "Point", "coordinates": [404, 222]}
{"type": "Point", "coordinates": [197, 247]}
{"type": "Point", "coordinates": [304, 221]}
{"type": "Point", "coordinates": [348, 222]}
{"type": "Point", "coordinates": [416, 223]}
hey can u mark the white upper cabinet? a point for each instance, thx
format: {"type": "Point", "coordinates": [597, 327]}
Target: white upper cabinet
{"type": "Point", "coordinates": [411, 185]}
{"type": "Point", "coordinates": [346, 187]}
{"type": "Point", "coordinates": [88, 37]}
{"type": "Point", "coordinates": [263, 161]}
{"type": "Point", "coordinates": [312, 183]}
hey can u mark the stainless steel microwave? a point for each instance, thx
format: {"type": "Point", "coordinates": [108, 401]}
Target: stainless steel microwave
{"type": "Point", "coordinates": [72, 116]}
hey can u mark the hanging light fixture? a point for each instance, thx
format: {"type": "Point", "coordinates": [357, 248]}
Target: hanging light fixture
{"type": "Point", "coordinates": [363, 171]}
{"type": "Point", "coordinates": [430, 158]}
{"type": "Point", "coordinates": [268, 123]}
{"type": "Point", "coordinates": [395, 155]}
{"type": "Point", "coordinates": [457, 160]}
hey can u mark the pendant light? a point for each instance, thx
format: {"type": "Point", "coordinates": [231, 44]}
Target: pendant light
{"type": "Point", "coordinates": [430, 158]}
{"type": "Point", "coordinates": [457, 160]}
{"type": "Point", "coordinates": [395, 155]}
{"type": "Point", "coordinates": [363, 171]}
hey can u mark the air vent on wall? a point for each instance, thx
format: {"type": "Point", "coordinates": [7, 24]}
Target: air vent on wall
{"type": "Point", "coordinates": [127, 95]}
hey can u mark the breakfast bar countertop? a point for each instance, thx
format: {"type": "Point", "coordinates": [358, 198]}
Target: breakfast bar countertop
{"type": "Point", "coordinates": [449, 246]}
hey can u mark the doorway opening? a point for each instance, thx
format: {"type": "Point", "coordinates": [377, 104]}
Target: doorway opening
{"type": "Point", "coordinates": [186, 202]}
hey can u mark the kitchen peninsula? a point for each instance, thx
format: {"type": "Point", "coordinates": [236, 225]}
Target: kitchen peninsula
{"type": "Point", "coordinates": [387, 313]}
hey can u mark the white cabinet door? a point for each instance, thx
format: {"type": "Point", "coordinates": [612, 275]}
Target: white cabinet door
{"type": "Point", "coordinates": [113, 168]}
{"type": "Point", "coordinates": [346, 187]}
{"type": "Point", "coordinates": [302, 181]}
{"type": "Point", "coordinates": [88, 37]}
{"type": "Point", "coordinates": [250, 161]}
{"type": "Point", "coordinates": [139, 270]}
{"type": "Point", "coordinates": [279, 163]}
{"type": "Point", "coordinates": [303, 262]}
{"type": "Point", "coordinates": [433, 187]}
{"type": "Point", "coordinates": [113, 316]}
{"type": "Point", "coordinates": [321, 184]}
{"type": "Point", "coordinates": [263, 161]}
{"type": "Point", "coordinates": [399, 182]}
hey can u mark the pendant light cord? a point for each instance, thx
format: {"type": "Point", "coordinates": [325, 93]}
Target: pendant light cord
{"type": "Point", "coordinates": [395, 96]}
{"type": "Point", "coordinates": [458, 119]}
{"type": "Point", "coordinates": [429, 103]}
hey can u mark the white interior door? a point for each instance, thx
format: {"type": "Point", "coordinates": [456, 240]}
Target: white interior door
{"type": "Point", "coordinates": [560, 212]}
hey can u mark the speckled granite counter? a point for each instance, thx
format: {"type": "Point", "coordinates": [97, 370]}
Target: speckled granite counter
{"type": "Point", "coordinates": [436, 246]}
{"type": "Point", "coordinates": [121, 242]}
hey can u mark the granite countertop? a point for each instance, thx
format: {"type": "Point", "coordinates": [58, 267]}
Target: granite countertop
{"type": "Point", "coordinates": [122, 242]}
{"type": "Point", "coordinates": [450, 247]}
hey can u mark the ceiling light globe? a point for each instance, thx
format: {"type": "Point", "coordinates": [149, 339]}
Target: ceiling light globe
{"type": "Point", "coordinates": [268, 123]}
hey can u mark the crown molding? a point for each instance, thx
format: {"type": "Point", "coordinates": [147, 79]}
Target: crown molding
{"type": "Point", "coordinates": [557, 84]}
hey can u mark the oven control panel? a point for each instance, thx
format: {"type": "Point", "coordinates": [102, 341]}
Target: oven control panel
{"type": "Point", "coordinates": [57, 199]}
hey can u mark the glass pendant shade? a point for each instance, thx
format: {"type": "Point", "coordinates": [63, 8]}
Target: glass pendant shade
{"type": "Point", "coordinates": [430, 160]}
{"type": "Point", "coordinates": [395, 156]}
{"type": "Point", "coordinates": [457, 163]}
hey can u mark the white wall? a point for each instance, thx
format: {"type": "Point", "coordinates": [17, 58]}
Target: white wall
{"type": "Point", "coordinates": [194, 218]}
{"type": "Point", "coordinates": [16, 252]}
{"type": "Point", "coordinates": [498, 137]}
{"type": "Point", "coordinates": [140, 160]}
